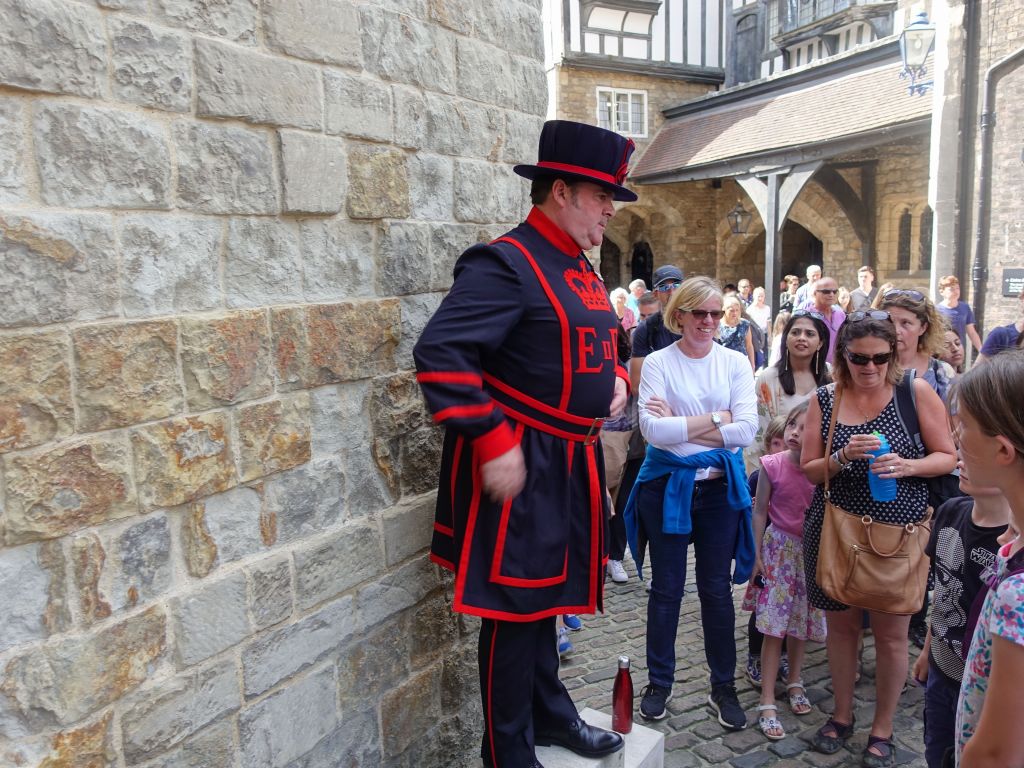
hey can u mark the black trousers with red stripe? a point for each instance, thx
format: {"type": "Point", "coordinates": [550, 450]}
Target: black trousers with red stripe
{"type": "Point", "coordinates": [520, 689]}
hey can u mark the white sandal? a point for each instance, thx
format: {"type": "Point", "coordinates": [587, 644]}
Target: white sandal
{"type": "Point", "coordinates": [798, 702]}
{"type": "Point", "coordinates": [767, 724]}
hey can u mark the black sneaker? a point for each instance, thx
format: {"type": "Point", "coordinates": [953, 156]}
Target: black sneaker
{"type": "Point", "coordinates": [653, 701]}
{"type": "Point", "coordinates": [730, 713]}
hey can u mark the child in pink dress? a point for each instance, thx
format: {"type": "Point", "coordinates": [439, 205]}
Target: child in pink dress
{"type": "Point", "coordinates": [783, 495]}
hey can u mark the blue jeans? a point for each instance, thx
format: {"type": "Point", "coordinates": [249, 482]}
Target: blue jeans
{"type": "Point", "coordinates": [940, 701]}
{"type": "Point", "coordinates": [714, 532]}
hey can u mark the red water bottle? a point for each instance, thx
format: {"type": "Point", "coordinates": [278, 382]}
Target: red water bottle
{"type": "Point", "coordinates": [622, 698]}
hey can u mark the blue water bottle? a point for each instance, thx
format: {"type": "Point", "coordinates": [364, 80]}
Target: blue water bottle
{"type": "Point", "coordinates": [882, 489]}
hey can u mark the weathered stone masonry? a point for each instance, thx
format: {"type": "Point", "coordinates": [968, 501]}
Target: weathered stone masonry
{"type": "Point", "coordinates": [222, 225]}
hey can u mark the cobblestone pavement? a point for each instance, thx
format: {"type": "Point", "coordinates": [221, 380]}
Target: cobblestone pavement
{"type": "Point", "coordinates": [693, 736]}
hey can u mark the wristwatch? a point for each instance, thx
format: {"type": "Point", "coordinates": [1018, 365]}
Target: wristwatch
{"type": "Point", "coordinates": [716, 419]}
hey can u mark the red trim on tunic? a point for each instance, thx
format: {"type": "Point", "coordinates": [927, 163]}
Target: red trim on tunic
{"type": "Point", "coordinates": [540, 425]}
{"type": "Point", "coordinates": [521, 396]}
{"type": "Point", "coordinates": [493, 444]}
{"type": "Point", "coordinates": [446, 564]}
{"type": "Point", "coordinates": [463, 411]}
{"type": "Point", "coordinates": [444, 529]}
{"type": "Point", "coordinates": [553, 233]}
{"type": "Point", "coordinates": [450, 377]}
{"type": "Point", "coordinates": [467, 537]}
{"type": "Point", "coordinates": [490, 613]}
{"type": "Point", "coordinates": [563, 321]}
{"type": "Point", "coordinates": [623, 374]}
{"type": "Point", "coordinates": [596, 527]}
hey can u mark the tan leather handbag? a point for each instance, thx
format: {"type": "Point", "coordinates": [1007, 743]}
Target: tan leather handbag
{"type": "Point", "coordinates": [867, 563]}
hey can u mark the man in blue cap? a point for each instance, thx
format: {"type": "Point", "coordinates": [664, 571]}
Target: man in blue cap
{"type": "Point", "coordinates": [519, 363]}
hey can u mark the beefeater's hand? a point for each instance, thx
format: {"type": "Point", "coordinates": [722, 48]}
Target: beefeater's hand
{"type": "Point", "coordinates": [504, 477]}
{"type": "Point", "coordinates": [619, 398]}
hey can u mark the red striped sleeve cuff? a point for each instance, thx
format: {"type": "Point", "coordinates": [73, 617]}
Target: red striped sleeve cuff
{"type": "Point", "coordinates": [493, 444]}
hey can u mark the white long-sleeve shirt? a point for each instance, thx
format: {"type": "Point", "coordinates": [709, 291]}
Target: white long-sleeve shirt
{"type": "Point", "coordinates": [719, 381]}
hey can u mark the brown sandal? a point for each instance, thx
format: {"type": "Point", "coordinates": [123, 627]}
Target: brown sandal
{"type": "Point", "coordinates": [829, 745]}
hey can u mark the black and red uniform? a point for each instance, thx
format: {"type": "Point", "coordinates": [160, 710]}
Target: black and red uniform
{"type": "Point", "coordinates": [522, 351]}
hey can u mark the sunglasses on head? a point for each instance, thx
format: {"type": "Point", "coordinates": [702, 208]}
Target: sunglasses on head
{"type": "Point", "coordinates": [700, 314]}
{"type": "Point", "coordinates": [915, 295]}
{"type": "Point", "coordinates": [879, 360]}
{"type": "Point", "coordinates": [868, 314]}
{"type": "Point", "coordinates": [669, 286]}
{"type": "Point", "coordinates": [809, 313]}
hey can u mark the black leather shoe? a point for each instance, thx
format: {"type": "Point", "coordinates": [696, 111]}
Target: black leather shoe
{"type": "Point", "coordinates": [581, 738]}
{"type": "Point", "coordinates": [534, 764]}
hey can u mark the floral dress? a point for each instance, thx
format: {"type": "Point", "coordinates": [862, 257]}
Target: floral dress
{"type": "Point", "coordinates": [850, 491]}
{"type": "Point", "coordinates": [734, 336]}
{"type": "Point", "coordinates": [1002, 614]}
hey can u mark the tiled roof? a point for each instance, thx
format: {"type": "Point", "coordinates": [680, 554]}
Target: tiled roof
{"type": "Point", "coordinates": [858, 103]}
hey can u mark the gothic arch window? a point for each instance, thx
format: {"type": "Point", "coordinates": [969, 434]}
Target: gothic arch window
{"type": "Point", "coordinates": [925, 256]}
{"type": "Point", "coordinates": [903, 241]}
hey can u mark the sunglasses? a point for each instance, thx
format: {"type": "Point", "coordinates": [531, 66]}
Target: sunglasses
{"type": "Point", "coordinates": [668, 286]}
{"type": "Point", "coordinates": [915, 295]}
{"type": "Point", "coordinates": [879, 359]}
{"type": "Point", "coordinates": [808, 313]}
{"type": "Point", "coordinates": [826, 290]}
{"type": "Point", "coordinates": [700, 314]}
{"type": "Point", "coordinates": [868, 314]}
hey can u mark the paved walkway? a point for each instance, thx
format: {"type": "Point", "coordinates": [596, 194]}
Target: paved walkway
{"type": "Point", "coordinates": [693, 736]}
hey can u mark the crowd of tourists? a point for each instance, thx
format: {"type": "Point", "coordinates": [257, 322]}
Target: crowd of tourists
{"type": "Point", "coordinates": [767, 460]}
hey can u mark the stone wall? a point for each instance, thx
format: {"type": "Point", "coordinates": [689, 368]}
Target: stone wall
{"type": "Point", "coordinates": [222, 225]}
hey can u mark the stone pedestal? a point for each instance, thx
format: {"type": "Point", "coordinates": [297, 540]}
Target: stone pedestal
{"type": "Point", "coordinates": [645, 748]}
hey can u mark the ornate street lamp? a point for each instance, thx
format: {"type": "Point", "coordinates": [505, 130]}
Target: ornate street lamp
{"type": "Point", "coordinates": [739, 219]}
{"type": "Point", "coordinates": [916, 41]}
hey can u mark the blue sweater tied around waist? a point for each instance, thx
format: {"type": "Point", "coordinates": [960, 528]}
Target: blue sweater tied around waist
{"type": "Point", "coordinates": [679, 493]}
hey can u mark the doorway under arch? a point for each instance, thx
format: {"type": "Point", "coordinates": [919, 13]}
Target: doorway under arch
{"type": "Point", "coordinates": [800, 249]}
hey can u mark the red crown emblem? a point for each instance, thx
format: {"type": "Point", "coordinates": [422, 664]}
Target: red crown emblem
{"type": "Point", "coordinates": [590, 289]}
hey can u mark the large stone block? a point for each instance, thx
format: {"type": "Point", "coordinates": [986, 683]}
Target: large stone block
{"type": "Point", "coordinates": [273, 436]}
{"type": "Point", "coordinates": [263, 264]}
{"type": "Point", "coordinates": [90, 157]}
{"type": "Point", "coordinates": [339, 418]}
{"type": "Point", "coordinates": [433, 628]}
{"type": "Point", "coordinates": [318, 30]}
{"type": "Point", "coordinates": [35, 602]}
{"type": "Point", "coordinates": [397, 406]}
{"type": "Point", "coordinates": [233, 82]}
{"type": "Point", "coordinates": [503, 191]}
{"type": "Point", "coordinates": [117, 571]}
{"type": "Point", "coordinates": [378, 183]}
{"type": "Point", "coordinates": [232, 19]}
{"type": "Point", "coordinates": [403, 258]}
{"type": "Point", "coordinates": [530, 84]}
{"type": "Point", "coordinates": [337, 259]}
{"type": "Point", "coordinates": [431, 187]}
{"type": "Point", "coordinates": [55, 268]}
{"type": "Point", "coordinates": [313, 171]}
{"type": "Point", "coordinates": [400, 589]}
{"type": "Point", "coordinates": [447, 126]}
{"type": "Point", "coordinates": [46, 45]}
{"type": "Point", "coordinates": [447, 243]}
{"type": "Point", "coordinates": [285, 651]}
{"type": "Point", "coordinates": [416, 313]}
{"type": "Point", "coordinates": [226, 359]}
{"type": "Point", "coordinates": [301, 502]}
{"type": "Point", "coordinates": [308, 708]}
{"type": "Point", "coordinates": [55, 492]}
{"type": "Point", "coordinates": [351, 556]}
{"type": "Point", "coordinates": [163, 715]}
{"type": "Point", "coordinates": [514, 26]}
{"type": "Point", "coordinates": [171, 264]}
{"type": "Point", "coordinates": [358, 106]}
{"type": "Point", "coordinates": [152, 66]}
{"type": "Point", "coordinates": [521, 134]}
{"type": "Point", "coordinates": [355, 743]}
{"type": "Point", "coordinates": [420, 460]}
{"type": "Point", "coordinates": [407, 529]}
{"type": "Point", "coordinates": [222, 528]}
{"type": "Point", "coordinates": [211, 619]}
{"type": "Point", "coordinates": [35, 390]}
{"type": "Point", "coordinates": [85, 746]}
{"type": "Point", "coordinates": [224, 169]}
{"type": "Point", "coordinates": [315, 345]}
{"type": "Point", "coordinates": [13, 151]}
{"type": "Point", "coordinates": [485, 72]}
{"type": "Point", "coordinates": [409, 711]}
{"type": "Point", "coordinates": [373, 661]}
{"type": "Point", "coordinates": [213, 746]}
{"type": "Point", "coordinates": [270, 591]}
{"type": "Point", "coordinates": [126, 374]}
{"type": "Point", "coordinates": [180, 460]}
{"type": "Point", "coordinates": [60, 683]}
{"type": "Point", "coordinates": [397, 47]}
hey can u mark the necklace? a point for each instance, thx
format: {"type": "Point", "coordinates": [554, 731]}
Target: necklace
{"type": "Point", "coordinates": [867, 419]}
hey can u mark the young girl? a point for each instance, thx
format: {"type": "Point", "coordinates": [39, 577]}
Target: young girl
{"type": "Point", "coordinates": [783, 495]}
{"type": "Point", "coordinates": [990, 403]}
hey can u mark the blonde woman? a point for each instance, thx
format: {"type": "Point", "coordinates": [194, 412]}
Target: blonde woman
{"type": "Point", "coordinates": [734, 332]}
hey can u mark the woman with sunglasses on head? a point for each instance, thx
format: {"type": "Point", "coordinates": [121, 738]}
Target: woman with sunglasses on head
{"type": "Point", "coordinates": [919, 331]}
{"type": "Point", "coordinates": [697, 411]}
{"type": "Point", "coordinates": [866, 372]}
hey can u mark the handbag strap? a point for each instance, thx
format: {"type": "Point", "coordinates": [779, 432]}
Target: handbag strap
{"type": "Point", "coordinates": [831, 429]}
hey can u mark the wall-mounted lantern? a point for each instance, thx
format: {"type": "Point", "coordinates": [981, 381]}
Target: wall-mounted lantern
{"type": "Point", "coordinates": [917, 41]}
{"type": "Point", "coordinates": [739, 219]}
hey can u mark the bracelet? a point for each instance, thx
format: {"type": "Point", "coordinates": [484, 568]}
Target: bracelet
{"type": "Point", "coordinates": [842, 464]}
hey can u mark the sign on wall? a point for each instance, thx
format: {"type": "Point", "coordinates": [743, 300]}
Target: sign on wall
{"type": "Point", "coordinates": [1013, 282]}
